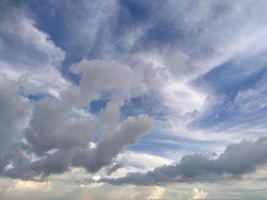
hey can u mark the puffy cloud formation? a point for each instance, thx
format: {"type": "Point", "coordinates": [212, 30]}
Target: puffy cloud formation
{"type": "Point", "coordinates": [94, 159]}
{"type": "Point", "coordinates": [236, 160]}
{"type": "Point", "coordinates": [51, 134]}
{"type": "Point", "coordinates": [112, 144]}
{"type": "Point", "coordinates": [190, 73]}
{"type": "Point", "coordinates": [14, 113]}
{"type": "Point", "coordinates": [61, 126]}
{"type": "Point", "coordinates": [57, 130]}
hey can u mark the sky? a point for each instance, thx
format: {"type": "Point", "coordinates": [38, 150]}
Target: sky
{"type": "Point", "coordinates": [133, 100]}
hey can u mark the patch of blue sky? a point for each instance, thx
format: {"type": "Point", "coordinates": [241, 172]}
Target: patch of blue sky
{"type": "Point", "coordinates": [158, 144]}
{"type": "Point", "coordinates": [98, 105]}
{"type": "Point", "coordinates": [37, 96]}
{"type": "Point", "coordinates": [54, 22]}
{"type": "Point", "coordinates": [33, 97]}
{"type": "Point", "coordinates": [227, 81]}
{"type": "Point", "coordinates": [96, 138]}
{"type": "Point", "coordinates": [145, 104]}
{"type": "Point", "coordinates": [221, 118]}
{"type": "Point", "coordinates": [162, 34]}
{"type": "Point", "coordinates": [133, 12]}
{"type": "Point", "coordinates": [223, 78]}
{"type": "Point", "coordinates": [227, 114]}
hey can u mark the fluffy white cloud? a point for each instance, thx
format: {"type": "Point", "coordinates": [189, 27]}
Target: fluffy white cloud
{"type": "Point", "coordinates": [199, 194]}
{"type": "Point", "coordinates": [156, 193]}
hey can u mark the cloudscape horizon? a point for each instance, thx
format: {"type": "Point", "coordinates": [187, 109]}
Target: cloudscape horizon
{"type": "Point", "coordinates": [133, 100]}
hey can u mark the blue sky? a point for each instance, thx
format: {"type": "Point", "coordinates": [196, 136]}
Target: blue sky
{"type": "Point", "coordinates": [124, 94]}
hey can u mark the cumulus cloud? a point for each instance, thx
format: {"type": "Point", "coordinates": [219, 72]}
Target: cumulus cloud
{"type": "Point", "coordinates": [236, 160]}
{"type": "Point", "coordinates": [14, 115]}
{"type": "Point", "coordinates": [54, 163]}
{"type": "Point", "coordinates": [158, 54]}
{"type": "Point", "coordinates": [59, 129]}
{"type": "Point", "coordinates": [64, 127]}
{"type": "Point", "coordinates": [54, 125]}
{"type": "Point", "coordinates": [101, 74]}
{"type": "Point", "coordinates": [112, 143]}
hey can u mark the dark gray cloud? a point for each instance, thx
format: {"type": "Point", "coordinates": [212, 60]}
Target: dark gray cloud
{"type": "Point", "coordinates": [237, 159]}
{"type": "Point", "coordinates": [113, 143]}
{"type": "Point", "coordinates": [55, 126]}
{"type": "Point", "coordinates": [54, 163]}
{"type": "Point", "coordinates": [115, 166]}
{"type": "Point", "coordinates": [58, 160]}
{"type": "Point", "coordinates": [14, 112]}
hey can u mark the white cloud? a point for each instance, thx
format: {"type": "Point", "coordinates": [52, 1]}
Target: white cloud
{"type": "Point", "coordinates": [199, 194]}
{"type": "Point", "coordinates": [30, 53]}
{"type": "Point", "coordinates": [61, 126]}
{"type": "Point", "coordinates": [30, 186]}
{"type": "Point", "coordinates": [145, 161]}
{"type": "Point", "coordinates": [156, 193]}
{"type": "Point", "coordinates": [182, 98]}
